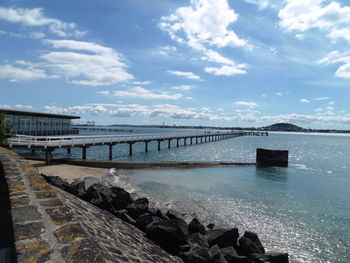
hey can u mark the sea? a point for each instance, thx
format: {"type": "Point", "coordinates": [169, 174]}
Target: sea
{"type": "Point", "coordinates": [303, 209]}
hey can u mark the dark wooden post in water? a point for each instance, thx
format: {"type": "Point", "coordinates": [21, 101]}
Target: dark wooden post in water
{"type": "Point", "coordinates": [68, 150]}
{"type": "Point", "coordinates": [185, 141]}
{"type": "Point", "coordinates": [267, 157]}
{"type": "Point", "coordinates": [177, 142]}
{"type": "Point", "coordinates": [158, 145]}
{"type": "Point", "coordinates": [191, 141]}
{"type": "Point", "coordinates": [169, 143]}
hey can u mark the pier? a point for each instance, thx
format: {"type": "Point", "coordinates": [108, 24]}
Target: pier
{"type": "Point", "coordinates": [50, 143]}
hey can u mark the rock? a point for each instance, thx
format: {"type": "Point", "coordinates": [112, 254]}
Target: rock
{"type": "Point", "coordinates": [270, 257]}
{"type": "Point", "coordinates": [121, 198]}
{"type": "Point", "coordinates": [231, 256]}
{"type": "Point", "coordinates": [77, 188]}
{"type": "Point", "coordinates": [57, 181]}
{"type": "Point", "coordinates": [196, 227]}
{"type": "Point", "coordinates": [157, 212]}
{"type": "Point", "coordinates": [123, 215]}
{"type": "Point", "coordinates": [216, 254]}
{"type": "Point", "coordinates": [100, 196]}
{"type": "Point", "coordinates": [197, 255]}
{"type": "Point", "coordinates": [247, 247]}
{"type": "Point", "coordinates": [169, 234]}
{"type": "Point", "coordinates": [144, 220]}
{"type": "Point", "coordinates": [174, 214]}
{"type": "Point", "coordinates": [223, 237]}
{"type": "Point", "coordinates": [198, 239]}
{"type": "Point", "coordinates": [138, 207]}
{"type": "Point", "coordinates": [255, 239]}
{"type": "Point", "coordinates": [211, 226]}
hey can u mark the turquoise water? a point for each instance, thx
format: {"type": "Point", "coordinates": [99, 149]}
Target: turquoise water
{"type": "Point", "coordinates": [302, 209]}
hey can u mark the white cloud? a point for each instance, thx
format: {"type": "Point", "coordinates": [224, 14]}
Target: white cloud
{"type": "Point", "coordinates": [299, 36]}
{"type": "Point", "coordinates": [204, 22]}
{"type": "Point", "coordinates": [261, 3]}
{"type": "Point", "coordinates": [278, 94]}
{"type": "Point", "coordinates": [318, 109]}
{"type": "Point", "coordinates": [182, 87]}
{"type": "Point", "coordinates": [331, 103]}
{"type": "Point", "coordinates": [188, 75]}
{"type": "Point", "coordinates": [35, 17]}
{"type": "Point", "coordinates": [304, 101]}
{"type": "Point", "coordinates": [103, 66]}
{"type": "Point", "coordinates": [246, 103]}
{"type": "Point", "coordinates": [142, 82]}
{"type": "Point", "coordinates": [165, 51]}
{"type": "Point", "coordinates": [264, 95]}
{"type": "Point", "coordinates": [343, 33]}
{"type": "Point", "coordinates": [322, 98]}
{"type": "Point", "coordinates": [142, 93]}
{"type": "Point", "coordinates": [26, 72]}
{"type": "Point", "coordinates": [204, 25]}
{"type": "Point", "coordinates": [303, 15]}
{"type": "Point", "coordinates": [227, 70]}
{"type": "Point", "coordinates": [24, 107]}
{"type": "Point", "coordinates": [77, 110]}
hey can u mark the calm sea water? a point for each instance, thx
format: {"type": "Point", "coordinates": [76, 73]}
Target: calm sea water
{"type": "Point", "coordinates": [303, 209]}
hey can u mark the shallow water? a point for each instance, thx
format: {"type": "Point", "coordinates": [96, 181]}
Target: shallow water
{"type": "Point", "coordinates": [303, 209]}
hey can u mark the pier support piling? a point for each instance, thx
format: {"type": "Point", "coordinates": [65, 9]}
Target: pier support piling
{"type": "Point", "coordinates": [130, 149]}
{"type": "Point", "coordinates": [191, 141]}
{"type": "Point", "coordinates": [146, 146]}
{"type": "Point", "coordinates": [84, 152]}
{"type": "Point", "coordinates": [48, 156]}
{"type": "Point", "coordinates": [158, 145]}
{"type": "Point", "coordinates": [177, 142]}
{"type": "Point", "coordinates": [169, 143]}
{"type": "Point", "coordinates": [69, 150]}
{"type": "Point", "coordinates": [185, 139]}
{"type": "Point", "coordinates": [110, 151]}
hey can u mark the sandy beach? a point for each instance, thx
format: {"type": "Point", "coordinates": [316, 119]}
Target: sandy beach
{"type": "Point", "coordinates": [69, 172]}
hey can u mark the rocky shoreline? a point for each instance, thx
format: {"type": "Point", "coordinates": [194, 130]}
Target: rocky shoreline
{"type": "Point", "coordinates": [192, 242]}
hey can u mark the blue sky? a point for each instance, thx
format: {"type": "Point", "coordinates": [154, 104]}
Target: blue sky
{"type": "Point", "coordinates": [191, 62]}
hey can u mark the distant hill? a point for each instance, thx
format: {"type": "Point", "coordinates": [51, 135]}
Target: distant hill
{"type": "Point", "coordinates": [283, 127]}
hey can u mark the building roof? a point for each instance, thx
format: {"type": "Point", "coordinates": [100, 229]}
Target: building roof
{"type": "Point", "coordinates": [37, 114]}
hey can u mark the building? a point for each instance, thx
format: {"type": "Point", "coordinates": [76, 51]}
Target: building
{"type": "Point", "coordinates": [38, 123]}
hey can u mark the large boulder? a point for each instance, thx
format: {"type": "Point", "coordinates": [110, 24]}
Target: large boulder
{"type": "Point", "coordinates": [231, 256]}
{"type": "Point", "coordinates": [197, 254]}
{"type": "Point", "coordinates": [196, 227]}
{"type": "Point", "coordinates": [255, 239]}
{"type": "Point", "coordinates": [216, 255]}
{"type": "Point", "coordinates": [247, 247]}
{"type": "Point", "coordinates": [138, 207]}
{"type": "Point", "coordinates": [198, 239]}
{"type": "Point", "coordinates": [169, 234]}
{"type": "Point", "coordinates": [144, 220]}
{"type": "Point", "coordinates": [223, 237]}
{"type": "Point", "coordinates": [57, 181]}
{"type": "Point", "coordinates": [121, 198]}
{"type": "Point", "coordinates": [77, 188]}
{"type": "Point", "coordinates": [123, 215]}
{"type": "Point", "coordinates": [100, 195]}
{"type": "Point", "coordinates": [174, 214]}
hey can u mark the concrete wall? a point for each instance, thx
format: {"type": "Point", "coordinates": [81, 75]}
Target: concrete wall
{"type": "Point", "coordinates": [50, 225]}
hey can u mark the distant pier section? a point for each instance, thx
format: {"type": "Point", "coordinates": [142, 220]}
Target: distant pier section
{"type": "Point", "coordinates": [50, 143]}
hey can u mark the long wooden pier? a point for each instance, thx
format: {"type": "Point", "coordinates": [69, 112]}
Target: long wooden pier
{"type": "Point", "coordinates": [50, 143]}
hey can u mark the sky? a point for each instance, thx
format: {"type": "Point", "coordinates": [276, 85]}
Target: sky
{"type": "Point", "coordinates": [191, 62]}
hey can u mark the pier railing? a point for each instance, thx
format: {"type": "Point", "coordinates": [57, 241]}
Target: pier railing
{"type": "Point", "coordinates": [50, 143]}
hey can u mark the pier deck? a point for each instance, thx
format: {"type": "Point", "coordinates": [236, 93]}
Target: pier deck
{"type": "Point", "coordinates": [50, 143]}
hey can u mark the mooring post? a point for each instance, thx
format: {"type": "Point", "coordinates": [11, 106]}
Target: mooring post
{"type": "Point", "coordinates": [84, 152]}
{"type": "Point", "coordinates": [268, 157]}
{"type": "Point", "coordinates": [68, 150]}
{"type": "Point", "coordinates": [146, 146]}
{"type": "Point", "coordinates": [191, 141]}
{"type": "Point", "coordinates": [185, 141]}
{"type": "Point", "coordinates": [158, 145]}
{"type": "Point", "coordinates": [196, 140]}
{"type": "Point", "coordinates": [110, 151]}
{"type": "Point", "coordinates": [169, 143]}
{"type": "Point", "coordinates": [177, 142]}
{"type": "Point", "coordinates": [201, 139]}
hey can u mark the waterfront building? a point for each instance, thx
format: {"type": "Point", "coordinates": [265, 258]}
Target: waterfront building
{"type": "Point", "coordinates": [38, 123]}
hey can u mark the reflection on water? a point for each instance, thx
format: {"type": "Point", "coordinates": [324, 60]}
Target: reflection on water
{"type": "Point", "coordinates": [272, 173]}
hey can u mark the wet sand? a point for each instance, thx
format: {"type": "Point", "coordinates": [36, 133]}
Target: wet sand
{"type": "Point", "coordinates": [69, 172]}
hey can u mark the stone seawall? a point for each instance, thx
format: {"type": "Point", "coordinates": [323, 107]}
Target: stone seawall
{"type": "Point", "coordinates": [50, 225]}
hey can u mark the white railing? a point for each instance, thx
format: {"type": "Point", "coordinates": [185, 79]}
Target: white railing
{"type": "Point", "coordinates": [82, 140]}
